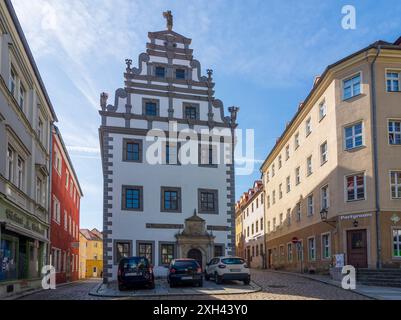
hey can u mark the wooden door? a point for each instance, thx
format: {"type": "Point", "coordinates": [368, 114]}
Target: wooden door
{"type": "Point", "coordinates": [357, 249]}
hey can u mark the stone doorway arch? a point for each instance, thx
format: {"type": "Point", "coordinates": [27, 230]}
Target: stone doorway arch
{"type": "Point", "coordinates": [195, 254]}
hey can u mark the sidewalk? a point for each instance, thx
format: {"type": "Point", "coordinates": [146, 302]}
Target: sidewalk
{"type": "Point", "coordinates": [376, 293]}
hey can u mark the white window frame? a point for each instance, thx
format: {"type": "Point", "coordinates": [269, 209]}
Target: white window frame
{"type": "Point", "coordinates": [56, 210]}
{"type": "Point", "coordinates": [322, 110]}
{"type": "Point", "coordinates": [398, 242]}
{"type": "Point", "coordinates": [308, 126]}
{"type": "Point", "coordinates": [287, 152]}
{"type": "Point", "coordinates": [289, 252]}
{"type": "Point", "coordinates": [65, 220]}
{"type": "Point", "coordinates": [310, 206]}
{"type": "Point", "coordinates": [297, 175]}
{"type": "Point", "coordinates": [309, 166]}
{"type": "Point", "coordinates": [395, 133]}
{"type": "Point", "coordinates": [314, 249]}
{"type": "Point", "coordinates": [21, 95]}
{"type": "Point", "coordinates": [288, 184]}
{"type": "Point", "coordinates": [10, 163]}
{"type": "Point", "coordinates": [13, 81]}
{"type": "Point", "coordinates": [355, 175]}
{"type": "Point", "coordinates": [396, 185]}
{"type": "Point", "coordinates": [326, 198]}
{"type": "Point", "coordinates": [296, 141]}
{"type": "Point", "coordinates": [324, 154]}
{"type": "Point", "coordinates": [397, 71]}
{"type": "Point", "coordinates": [353, 94]}
{"type": "Point", "coordinates": [57, 161]}
{"type": "Point", "coordinates": [324, 246]}
{"type": "Point", "coordinates": [298, 211]}
{"type": "Point", "coordinates": [354, 136]}
{"type": "Point", "coordinates": [20, 173]}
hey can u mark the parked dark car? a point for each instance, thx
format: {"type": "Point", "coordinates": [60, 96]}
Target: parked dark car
{"type": "Point", "coordinates": [185, 271]}
{"type": "Point", "coordinates": [135, 271]}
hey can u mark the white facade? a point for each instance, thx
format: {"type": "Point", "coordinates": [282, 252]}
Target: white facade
{"type": "Point", "coordinates": [151, 99]}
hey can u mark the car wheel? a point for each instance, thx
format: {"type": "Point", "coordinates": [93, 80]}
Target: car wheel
{"type": "Point", "coordinates": [218, 279]}
{"type": "Point", "coordinates": [151, 285]}
{"type": "Point", "coordinates": [121, 287]}
{"type": "Point", "coordinates": [247, 282]}
{"type": "Point", "coordinates": [207, 277]}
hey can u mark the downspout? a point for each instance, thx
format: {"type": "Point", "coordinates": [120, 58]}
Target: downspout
{"type": "Point", "coordinates": [375, 157]}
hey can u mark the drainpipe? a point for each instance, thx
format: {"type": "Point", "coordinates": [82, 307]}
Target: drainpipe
{"type": "Point", "coordinates": [50, 188]}
{"type": "Point", "coordinates": [375, 157]}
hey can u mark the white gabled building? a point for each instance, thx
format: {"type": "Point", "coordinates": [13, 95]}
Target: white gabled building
{"type": "Point", "coordinates": [149, 207]}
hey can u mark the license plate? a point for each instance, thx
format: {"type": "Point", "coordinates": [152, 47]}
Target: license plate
{"type": "Point", "coordinates": [186, 278]}
{"type": "Point", "coordinates": [131, 274]}
{"type": "Point", "coordinates": [235, 270]}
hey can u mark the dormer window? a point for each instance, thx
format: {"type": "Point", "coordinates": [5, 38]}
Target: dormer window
{"type": "Point", "coordinates": [160, 72]}
{"type": "Point", "coordinates": [180, 74]}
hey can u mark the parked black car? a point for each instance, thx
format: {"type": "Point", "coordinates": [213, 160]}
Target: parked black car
{"type": "Point", "coordinates": [135, 271]}
{"type": "Point", "coordinates": [185, 271]}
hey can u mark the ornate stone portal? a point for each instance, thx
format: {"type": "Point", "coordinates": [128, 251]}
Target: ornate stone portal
{"type": "Point", "coordinates": [194, 241]}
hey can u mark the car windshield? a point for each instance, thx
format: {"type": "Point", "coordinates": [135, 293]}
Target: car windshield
{"type": "Point", "coordinates": [233, 261]}
{"type": "Point", "coordinates": [135, 263]}
{"type": "Point", "coordinates": [179, 265]}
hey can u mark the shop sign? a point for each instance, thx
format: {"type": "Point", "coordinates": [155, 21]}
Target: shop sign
{"type": "Point", "coordinates": [24, 222]}
{"type": "Point", "coordinates": [356, 216]}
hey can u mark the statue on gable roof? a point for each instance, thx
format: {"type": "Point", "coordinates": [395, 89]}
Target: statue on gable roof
{"type": "Point", "coordinates": [169, 17]}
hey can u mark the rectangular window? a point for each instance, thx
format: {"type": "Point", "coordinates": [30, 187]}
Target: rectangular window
{"type": "Point", "coordinates": [310, 205]}
{"type": "Point", "coordinates": [20, 173]}
{"type": "Point", "coordinates": [180, 74]}
{"type": "Point", "coordinates": [393, 81]}
{"type": "Point", "coordinates": [21, 98]}
{"type": "Point", "coordinates": [13, 81]}
{"type": "Point", "coordinates": [257, 226]}
{"type": "Point", "coordinates": [40, 129]}
{"type": "Point", "coordinates": [146, 250]}
{"type": "Point", "coordinates": [395, 182]}
{"type": "Point", "coordinates": [122, 250]}
{"type": "Point", "coordinates": [273, 170]}
{"type": "Point", "coordinates": [308, 126]}
{"type": "Point", "coordinates": [39, 191]}
{"type": "Point", "coordinates": [171, 153]}
{"type": "Point", "coordinates": [298, 211]}
{"type": "Point", "coordinates": [171, 199]}
{"type": "Point", "coordinates": [298, 176]}
{"type": "Point", "coordinates": [280, 162]}
{"type": "Point", "coordinates": [10, 164]}
{"type": "Point", "coordinates": [274, 224]}
{"type": "Point", "coordinates": [309, 169]}
{"type": "Point", "coordinates": [167, 253]}
{"type": "Point", "coordinates": [289, 217]}
{"type": "Point", "coordinates": [397, 243]}
{"type": "Point", "coordinates": [268, 226]}
{"type": "Point", "coordinates": [287, 152]}
{"type": "Point", "coordinates": [355, 187]}
{"type": "Point", "coordinates": [353, 136]}
{"type": "Point", "coordinates": [325, 197]}
{"type": "Point", "coordinates": [280, 191]}
{"type": "Point", "coordinates": [324, 157]}
{"type": "Point", "coordinates": [312, 249]}
{"type": "Point", "coordinates": [268, 201]}
{"type": "Point", "coordinates": [67, 179]}
{"type": "Point", "coordinates": [300, 251]}
{"type": "Point", "coordinates": [132, 150]}
{"type": "Point", "coordinates": [208, 201]}
{"type": "Point", "coordinates": [274, 196]}
{"type": "Point", "coordinates": [56, 210]}
{"type": "Point", "coordinates": [326, 246]}
{"type": "Point", "coordinates": [160, 72]}
{"type": "Point", "coordinates": [191, 112]}
{"type": "Point", "coordinates": [261, 224]}
{"type": "Point", "coordinates": [296, 141]}
{"type": "Point", "coordinates": [253, 229]}
{"type": "Point", "coordinates": [394, 132]}
{"type": "Point", "coordinates": [288, 182]}
{"type": "Point", "coordinates": [65, 220]}
{"type": "Point", "coordinates": [208, 154]}
{"type": "Point", "coordinates": [352, 87]}
{"type": "Point", "coordinates": [281, 219]}
{"type": "Point", "coordinates": [322, 110]}
{"type": "Point", "coordinates": [151, 109]}
{"type": "Point", "coordinates": [289, 252]}
{"type": "Point", "coordinates": [132, 198]}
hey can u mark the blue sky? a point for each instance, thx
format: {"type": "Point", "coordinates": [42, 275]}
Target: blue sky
{"type": "Point", "coordinates": [265, 55]}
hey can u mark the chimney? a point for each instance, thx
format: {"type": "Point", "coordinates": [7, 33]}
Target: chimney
{"type": "Point", "coordinates": [301, 104]}
{"type": "Point", "coordinates": [316, 80]}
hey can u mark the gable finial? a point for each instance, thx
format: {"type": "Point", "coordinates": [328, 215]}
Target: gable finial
{"type": "Point", "coordinates": [169, 17]}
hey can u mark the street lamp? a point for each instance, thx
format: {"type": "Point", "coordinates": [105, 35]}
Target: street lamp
{"type": "Point", "coordinates": [323, 215]}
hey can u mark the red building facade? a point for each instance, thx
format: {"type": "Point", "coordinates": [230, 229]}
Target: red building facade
{"type": "Point", "coordinates": [66, 196]}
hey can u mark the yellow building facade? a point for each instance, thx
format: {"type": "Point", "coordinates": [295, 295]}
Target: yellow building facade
{"type": "Point", "coordinates": [91, 254]}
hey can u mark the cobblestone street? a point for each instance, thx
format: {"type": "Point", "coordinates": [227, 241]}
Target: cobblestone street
{"type": "Point", "coordinates": [275, 286]}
